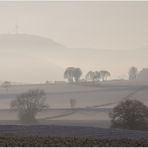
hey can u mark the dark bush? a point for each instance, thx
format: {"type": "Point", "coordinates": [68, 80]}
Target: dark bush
{"type": "Point", "coordinates": [130, 114]}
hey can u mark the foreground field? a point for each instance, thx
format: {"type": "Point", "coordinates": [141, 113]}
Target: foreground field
{"type": "Point", "coordinates": [12, 135]}
{"type": "Point", "coordinates": [71, 131]}
{"type": "Point", "coordinates": [15, 141]}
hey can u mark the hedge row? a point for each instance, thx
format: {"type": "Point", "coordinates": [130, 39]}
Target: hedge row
{"type": "Point", "coordinates": [32, 141]}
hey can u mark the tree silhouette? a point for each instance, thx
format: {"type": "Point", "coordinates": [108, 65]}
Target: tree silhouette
{"type": "Point", "coordinates": [72, 74]}
{"type": "Point", "coordinates": [96, 76]}
{"type": "Point", "coordinates": [104, 74]}
{"type": "Point", "coordinates": [28, 104]}
{"type": "Point", "coordinates": [133, 71]}
{"type": "Point", "coordinates": [130, 114]}
{"type": "Point", "coordinates": [77, 74]}
{"type": "Point", "coordinates": [68, 74]}
{"type": "Point", "coordinates": [92, 76]}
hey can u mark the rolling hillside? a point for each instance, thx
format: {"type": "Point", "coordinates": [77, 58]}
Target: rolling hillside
{"type": "Point", "coordinates": [93, 103]}
{"type": "Point", "coordinates": [29, 57]}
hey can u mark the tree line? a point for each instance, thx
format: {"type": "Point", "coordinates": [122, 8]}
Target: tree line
{"type": "Point", "coordinates": [73, 74]}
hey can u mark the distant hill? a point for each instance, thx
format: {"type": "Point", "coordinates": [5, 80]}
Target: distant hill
{"type": "Point", "coordinates": [35, 54]}
{"type": "Point", "coordinates": [28, 58]}
{"type": "Point", "coordinates": [26, 41]}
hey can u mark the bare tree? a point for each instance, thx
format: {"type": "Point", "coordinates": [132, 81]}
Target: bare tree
{"type": "Point", "coordinates": [104, 74]}
{"type": "Point", "coordinates": [28, 104]}
{"type": "Point", "coordinates": [133, 71]}
{"type": "Point", "coordinates": [93, 76]}
{"type": "Point", "coordinates": [72, 73]}
{"type": "Point", "coordinates": [89, 76]}
{"type": "Point", "coordinates": [68, 74]}
{"type": "Point", "coordinates": [96, 76]}
{"type": "Point", "coordinates": [77, 74]}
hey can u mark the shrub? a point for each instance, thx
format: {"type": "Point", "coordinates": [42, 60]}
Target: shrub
{"type": "Point", "coordinates": [130, 114]}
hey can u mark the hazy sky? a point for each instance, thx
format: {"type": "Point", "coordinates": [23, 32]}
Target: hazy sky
{"type": "Point", "coordinates": [106, 26]}
{"type": "Point", "coordinates": [103, 25]}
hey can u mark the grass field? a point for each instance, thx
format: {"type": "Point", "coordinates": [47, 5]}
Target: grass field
{"type": "Point", "coordinates": [94, 102]}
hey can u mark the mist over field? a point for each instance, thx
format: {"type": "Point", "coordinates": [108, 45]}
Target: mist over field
{"type": "Point", "coordinates": [70, 64]}
{"type": "Point", "coordinates": [41, 39]}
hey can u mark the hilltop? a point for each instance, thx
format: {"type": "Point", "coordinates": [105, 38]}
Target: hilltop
{"type": "Point", "coordinates": [21, 41]}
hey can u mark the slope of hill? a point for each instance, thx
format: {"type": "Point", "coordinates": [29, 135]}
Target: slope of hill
{"type": "Point", "coordinates": [24, 41]}
{"type": "Point", "coordinates": [31, 56]}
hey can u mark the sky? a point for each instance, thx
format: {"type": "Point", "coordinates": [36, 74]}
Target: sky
{"type": "Point", "coordinates": [102, 25]}
{"type": "Point", "coordinates": [101, 35]}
